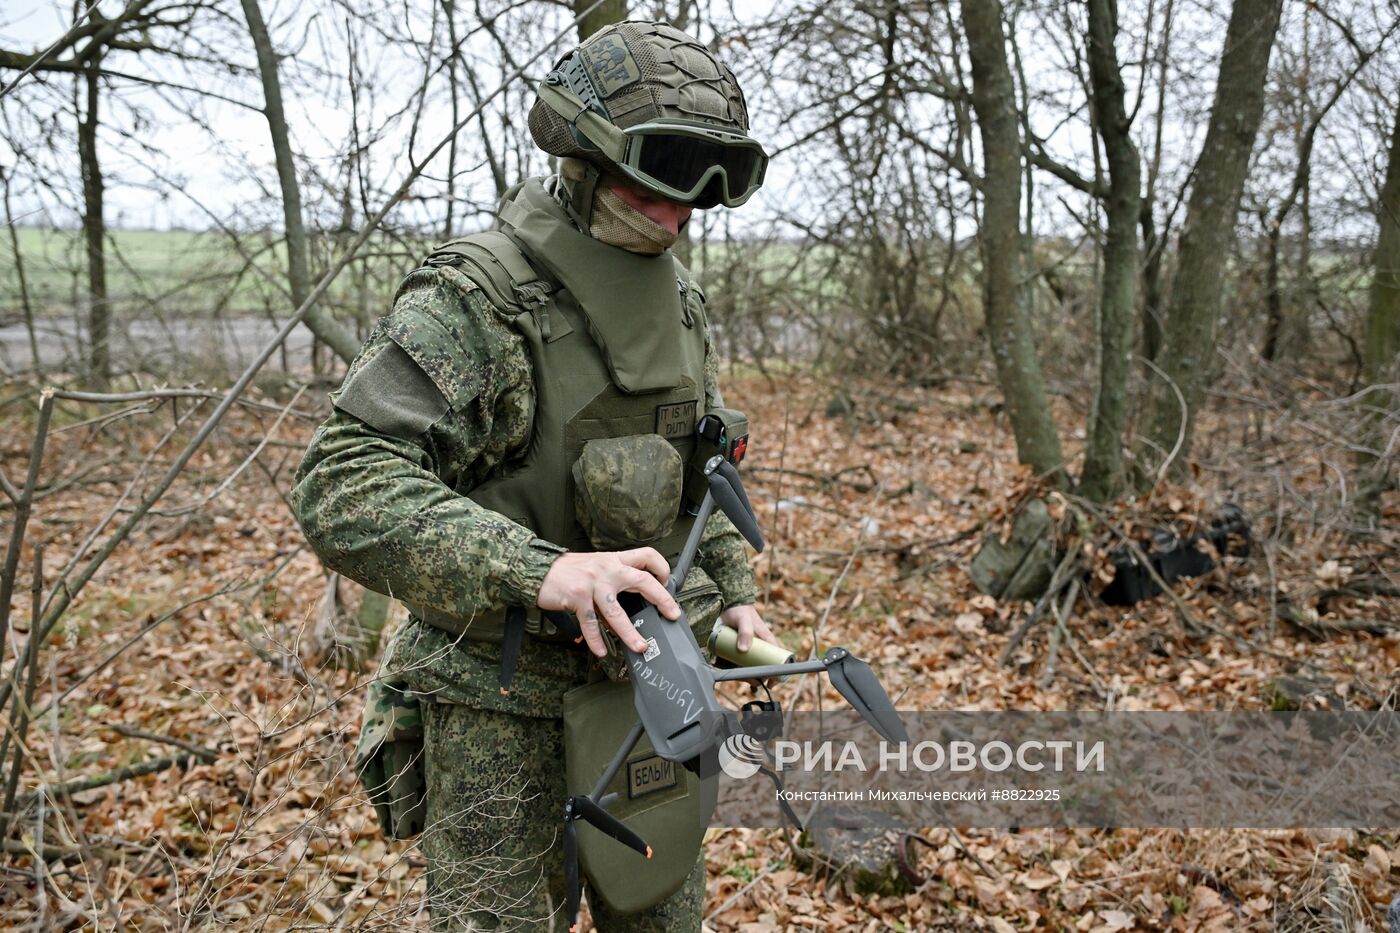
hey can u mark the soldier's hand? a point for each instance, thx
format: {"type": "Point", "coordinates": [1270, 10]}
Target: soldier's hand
{"type": "Point", "coordinates": [747, 621]}
{"type": "Point", "coordinates": [587, 585]}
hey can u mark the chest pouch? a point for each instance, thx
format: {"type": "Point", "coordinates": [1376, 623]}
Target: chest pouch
{"type": "Point", "coordinates": [662, 801]}
{"type": "Point", "coordinates": [627, 490]}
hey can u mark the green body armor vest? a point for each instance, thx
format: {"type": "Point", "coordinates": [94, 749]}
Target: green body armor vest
{"type": "Point", "coordinates": [617, 344]}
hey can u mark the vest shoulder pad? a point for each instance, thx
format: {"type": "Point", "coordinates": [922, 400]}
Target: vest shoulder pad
{"type": "Point", "coordinates": [497, 266]}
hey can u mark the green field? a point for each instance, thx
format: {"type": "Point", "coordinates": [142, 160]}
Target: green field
{"type": "Point", "coordinates": [164, 273]}
{"type": "Point", "coordinates": [174, 274]}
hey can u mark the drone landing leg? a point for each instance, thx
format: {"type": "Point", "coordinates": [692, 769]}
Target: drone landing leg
{"type": "Point", "coordinates": [590, 809]}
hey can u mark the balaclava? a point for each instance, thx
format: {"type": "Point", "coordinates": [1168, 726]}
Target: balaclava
{"type": "Point", "coordinates": [612, 220]}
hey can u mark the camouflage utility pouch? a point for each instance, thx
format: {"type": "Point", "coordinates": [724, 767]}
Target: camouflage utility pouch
{"type": "Point", "coordinates": [389, 758]}
{"type": "Point", "coordinates": [627, 490]}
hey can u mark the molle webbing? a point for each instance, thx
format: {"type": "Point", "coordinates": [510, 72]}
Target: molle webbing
{"type": "Point", "coordinates": [498, 267]}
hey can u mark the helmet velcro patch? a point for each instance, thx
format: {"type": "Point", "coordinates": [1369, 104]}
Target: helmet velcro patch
{"type": "Point", "coordinates": [610, 64]}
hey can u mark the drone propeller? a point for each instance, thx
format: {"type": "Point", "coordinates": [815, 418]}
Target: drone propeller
{"type": "Point", "coordinates": [729, 495]}
{"type": "Point", "coordinates": [571, 888]}
{"type": "Point", "coordinates": [582, 807]}
{"type": "Point", "coordinates": [855, 681]}
{"type": "Point", "coordinates": [731, 473]}
{"type": "Point", "coordinates": [585, 809]}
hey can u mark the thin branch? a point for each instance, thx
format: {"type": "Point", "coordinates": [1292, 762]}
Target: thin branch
{"type": "Point", "coordinates": [73, 34]}
{"type": "Point", "coordinates": [114, 397]}
{"type": "Point", "coordinates": [131, 732]}
{"type": "Point", "coordinates": [114, 776]}
{"type": "Point", "coordinates": [66, 590]}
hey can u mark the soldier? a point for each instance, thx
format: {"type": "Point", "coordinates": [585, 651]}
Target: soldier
{"type": "Point", "coordinates": [511, 443]}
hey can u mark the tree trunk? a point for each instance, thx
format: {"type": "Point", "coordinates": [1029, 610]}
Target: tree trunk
{"type": "Point", "coordinates": [1152, 241]}
{"type": "Point", "coordinates": [1103, 455]}
{"type": "Point", "coordinates": [1188, 347]}
{"type": "Point", "coordinates": [1004, 281]}
{"type": "Point", "coordinates": [21, 279]}
{"type": "Point", "coordinates": [1382, 350]}
{"type": "Point", "coordinates": [99, 362]}
{"type": "Point", "coordinates": [320, 322]}
{"type": "Point", "coordinates": [1154, 248]}
{"type": "Point", "coordinates": [608, 12]}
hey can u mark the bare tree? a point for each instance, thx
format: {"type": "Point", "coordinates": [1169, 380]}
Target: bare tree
{"type": "Point", "coordinates": [1188, 351]}
{"type": "Point", "coordinates": [318, 320]}
{"type": "Point", "coordinates": [1382, 347]}
{"type": "Point", "coordinates": [1309, 122]}
{"type": "Point", "coordinates": [1004, 279]}
{"type": "Point", "coordinates": [80, 51]}
{"type": "Point", "coordinates": [1154, 241]}
{"type": "Point", "coordinates": [94, 225]}
{"type": "Point", "coordinates": [1103, 456]}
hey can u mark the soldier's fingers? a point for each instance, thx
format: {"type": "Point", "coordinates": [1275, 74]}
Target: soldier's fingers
{"type": "Point", "coordinates": [745, 633]}
{"type": "Point", "coordinates": [618, 621]}
{"type": "Point", "coordinates": [648, 559]}
{"type": "Point", "coordinates": [653, 592]}
{"type": "Point", "coordinates": [588, 623]}
{"type": "Point", "coordinates": [761, 630]}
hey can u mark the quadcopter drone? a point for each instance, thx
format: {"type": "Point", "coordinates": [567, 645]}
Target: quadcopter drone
{"type": "Point", "coordinates": [690, 733]}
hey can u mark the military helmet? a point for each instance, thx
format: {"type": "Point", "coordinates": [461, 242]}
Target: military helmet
{"type": "Point", "coordinates": [649, 102]}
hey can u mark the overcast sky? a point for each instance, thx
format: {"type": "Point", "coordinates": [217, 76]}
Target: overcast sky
{"type": "Point", "coordinates": [165, 168]}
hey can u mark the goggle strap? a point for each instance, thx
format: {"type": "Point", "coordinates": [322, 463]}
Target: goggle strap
{"type": "Point", "coordinates": [608, 138]}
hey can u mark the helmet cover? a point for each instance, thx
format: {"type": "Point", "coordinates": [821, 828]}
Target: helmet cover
{"type": "Point", "coordinates": [639, 72]}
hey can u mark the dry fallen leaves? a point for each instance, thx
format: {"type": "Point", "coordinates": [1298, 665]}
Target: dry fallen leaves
{"type": "Point", "coordinates": [276, 829]}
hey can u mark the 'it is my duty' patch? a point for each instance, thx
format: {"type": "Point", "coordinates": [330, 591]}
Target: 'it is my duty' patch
{"type": "Point", "coordinates": [675, 421]}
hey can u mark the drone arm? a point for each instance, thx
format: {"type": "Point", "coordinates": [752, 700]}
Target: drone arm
{"type": "Point", "coordinates": [764, 671]}
{"type": "Point", "coordinates": [613, 766]}
{"type": "Point", "coordinates": [692, 545]}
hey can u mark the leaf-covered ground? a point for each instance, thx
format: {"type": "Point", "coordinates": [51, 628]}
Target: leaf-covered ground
{"type": "Point", "coordinates": [873, 508]}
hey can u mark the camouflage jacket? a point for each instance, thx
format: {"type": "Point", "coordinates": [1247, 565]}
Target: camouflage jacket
{"type": "Point", "coordinates": [377, 501]}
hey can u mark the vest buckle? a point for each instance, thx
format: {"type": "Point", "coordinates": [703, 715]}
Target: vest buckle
{"type": "Point", "coordinates": [534, 297]}
{"type": "Point", "coordinates": [684, 289]}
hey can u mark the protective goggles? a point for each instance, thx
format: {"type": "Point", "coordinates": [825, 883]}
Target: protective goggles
{"type": "Point", "coordinates": [693, 163]}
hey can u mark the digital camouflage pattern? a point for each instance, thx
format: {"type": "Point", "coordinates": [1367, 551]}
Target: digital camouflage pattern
{"type": "Point", "coordinates": [385, 509]}
{"type": "Point", "coordinates": [494, 820]}
{"type": "Point", "coordinates": [627, 490]}
{"type": "Point", "coordinates": [439, 400]}
{"type": "Point", "coordinates": [382, 508]}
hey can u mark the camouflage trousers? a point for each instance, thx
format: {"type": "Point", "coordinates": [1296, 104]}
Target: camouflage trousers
{"type": "Point", "coordinates": [494, 834]}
